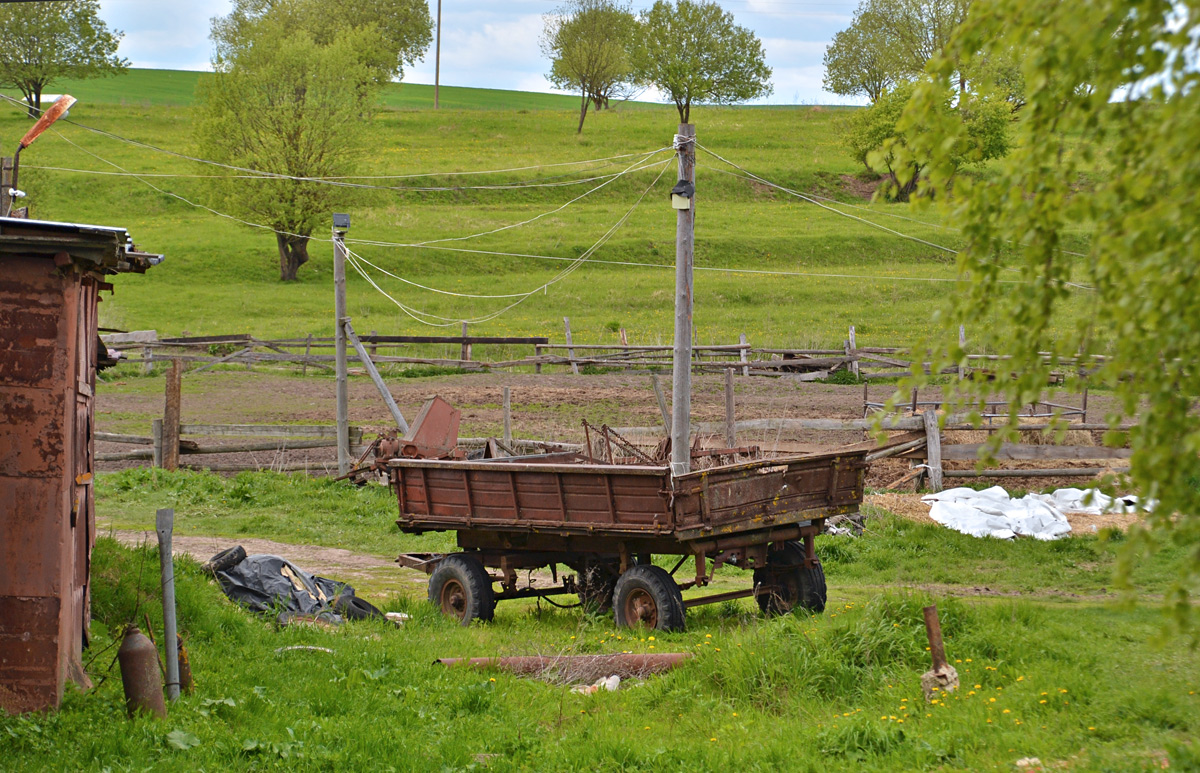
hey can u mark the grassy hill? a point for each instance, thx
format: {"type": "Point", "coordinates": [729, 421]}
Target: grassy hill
{"type": "Point", "coordinates": [221, 276]}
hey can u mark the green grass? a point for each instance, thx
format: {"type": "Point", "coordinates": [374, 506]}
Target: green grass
{"type": "Point", "coordinates": [1075, 682]}
{"type": "Point", "coordinates": [221, 277]}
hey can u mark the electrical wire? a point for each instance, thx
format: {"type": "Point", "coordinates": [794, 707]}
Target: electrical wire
{"type": "Point", "coordinates": [748, 175]}
{"type": "Point", "coordinates": [563, 274]}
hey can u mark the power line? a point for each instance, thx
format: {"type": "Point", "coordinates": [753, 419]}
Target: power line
{"type": "Point", "coordinates": [575, 264]}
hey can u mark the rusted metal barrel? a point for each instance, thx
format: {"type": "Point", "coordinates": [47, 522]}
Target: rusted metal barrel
{"type": "Point", "coordinates": [139, 674]}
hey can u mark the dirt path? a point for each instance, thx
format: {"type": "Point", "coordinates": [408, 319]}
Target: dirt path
{"type": "Point", "coordinates": [355, 568]}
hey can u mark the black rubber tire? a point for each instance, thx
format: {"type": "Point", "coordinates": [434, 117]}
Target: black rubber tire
{"type": "Point", "coordinates": [647, 595]}
{"type": "Point", "coordinates": [461, 588]}
{"type": "Point", "coordinates": [226, 559]}
{"type": "Point", "coordinates": [353, 608]}
{"type": "Point", "coordinates": [785, 584]}
{"type": "Point", "coordinates": [597, 582]}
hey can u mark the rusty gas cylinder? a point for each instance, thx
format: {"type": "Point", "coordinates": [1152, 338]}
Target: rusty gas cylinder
{"type": "Point", "coordinates": [139, 674]}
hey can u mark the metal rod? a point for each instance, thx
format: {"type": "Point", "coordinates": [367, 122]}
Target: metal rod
{"type": "Point", "coordinates": [681, 419]}
{"type": "Point", "coordinates": [933, 629]}
{"type": "Point", "coordinates": [164, 524]}
{"type": "Point", "coordinates": [382, 387]}
{"type": "Point", "coordinates": [339, 312]}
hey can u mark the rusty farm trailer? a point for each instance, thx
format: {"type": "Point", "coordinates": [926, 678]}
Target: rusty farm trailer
{"type": "Point", "coordinates": [606, 522]}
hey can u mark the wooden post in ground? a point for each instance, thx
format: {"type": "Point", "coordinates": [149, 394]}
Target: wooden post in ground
{"type": "Point", "coordinates": [374, 350]}
{"type": "Point", "coordinates": [6, 170]}
{"type": "Point", "coordinates": [624, 338]}
{"type": "Point", "coordinates": [730, 423]}
{"type": "Point", "coordinates": [171, 416]}
{"type": "Point", "coordinates": [681, 393]}
{"type": "Point", "coordinates": [914, 403]}
{"type": "Point", "coordinates": [343, 387]}
{"type": "Point", "coordinates": [507, 417]}
{"type": "Point", "coordinates": [570, 351]}
{"type": "Point", "coordinates": [307, 353]}
{"type": "Point", "coordinates": [933, 449]}
{"type": "Point", "coordinates": [156, 432]}
{"type": "Point", "coordinates": [744, 355]}
{"type": "Point", "coordinates": [852, 351]}
{"type": "Point", "coordinates": [147, 360]}
{"type": "Point", "coordinates": [465, 354]}
{"type": "Point", "coordinates": [962, 344]}
{"type": "Point", "coordinates": [537, 352]}
{"type": "Point", "coordinates": [1085, 390]}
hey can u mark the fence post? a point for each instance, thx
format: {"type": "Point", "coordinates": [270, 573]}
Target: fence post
{"type": "Point", "coordinates": [537, 352]}
{"type": "Point", "coordinates": [570, 351]}
{"type": "Point", "coordinates": [624, 338]}
{"type": "Point", "coordinates": [730, 424]}
{"type": "Point", "coordinates": [147, 360]}
{"type": "Point", "coordinates": [466, 347]}
{"type": "Point", "coordinates": [962, 344]}
{"type": "Point", "coordinates": [374, 346]}
{"type": "Point", "coordinates": [933, 450]}
{"type": "Point", "coordinates": [852, 351]}
{"type": "Point", "coordinates": [307, 354]}
{"type": "Point", "coordinates": [744, 355]}
{"type": "Point", "coordinates": [156, 431]}
{"type": "Point", "coordinates": [171, 412]}
{"type": "Point", "coordinates": [508, 417]}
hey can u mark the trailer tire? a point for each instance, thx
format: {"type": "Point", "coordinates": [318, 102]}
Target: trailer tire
{"type": "Point", "coordinates": [226, 559]}
{"type": "Point", "coordinates": [785, 584]}
{"type": "Point", "coordinates": [461, 588]}
{"type": "Point", "coordinates": [647, 595]}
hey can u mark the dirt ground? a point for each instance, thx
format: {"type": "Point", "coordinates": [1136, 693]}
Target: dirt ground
{"type": "Point", "coordinates": [546, 407]}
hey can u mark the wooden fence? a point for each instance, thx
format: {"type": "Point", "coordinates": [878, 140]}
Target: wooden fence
{"type": "Point", "coordinates": [204, 352]}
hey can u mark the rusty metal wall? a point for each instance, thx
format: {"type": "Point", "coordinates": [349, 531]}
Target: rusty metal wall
{"type": "Point", "coordinates": [47, 319]}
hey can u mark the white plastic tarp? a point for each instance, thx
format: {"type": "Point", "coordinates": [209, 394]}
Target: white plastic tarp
{"type": "Point", "coordinates": [993, 513]}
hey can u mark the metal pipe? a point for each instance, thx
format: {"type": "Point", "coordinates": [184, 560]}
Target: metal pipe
{"type": "Point", "coordinates": [164, 524]}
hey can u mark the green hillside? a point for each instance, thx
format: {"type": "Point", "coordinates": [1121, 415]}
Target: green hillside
{"type": "Point", "coordinates": [221, 276]}
{"type": "Point", "coordinates": [176, 88]}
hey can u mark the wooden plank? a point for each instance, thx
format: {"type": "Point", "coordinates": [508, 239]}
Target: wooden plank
{"type": "Point", "coordinates": [753, 425]}
{"type": "Point", "coordinates": [1067, 472]}
{"type": "Point", "coordinates": [132, 440]}
{"type": "Point", "coordinates": [384, 392]}
{"type": "Point", "coordinates": [200, 340]}
{"type": "Point", "coordinates": [132, 337]}
{"type": "Point", "coordinates": [1030, 452]}
{"type": "Point", "coordinates": [933, 449]}
{"type": "Point", "coordinates": [268, 430]}
{"type": "Point", "coordinates": [896, 449]}
{"type": "Point", "coordinates": [730, 420]}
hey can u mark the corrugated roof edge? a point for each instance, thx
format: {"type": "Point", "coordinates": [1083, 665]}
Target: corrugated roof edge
{"type": "Point", "coordinates": [107, 248]}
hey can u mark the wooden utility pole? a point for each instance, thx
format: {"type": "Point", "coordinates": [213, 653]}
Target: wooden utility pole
{"type": "Point", "coordinates": [339, 327]}
{"type": "Point", "coordinates": [681, 420]}
{"type": "Point", "coordinates": [437, 58]}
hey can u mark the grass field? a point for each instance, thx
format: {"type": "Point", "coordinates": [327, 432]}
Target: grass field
{"type": "Point", "coordinates": [221, 276]}
{"type": "Point", "coordinates": [1062, 673]}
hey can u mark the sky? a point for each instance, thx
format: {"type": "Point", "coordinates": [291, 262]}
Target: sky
{"type": "Point", "coordinates": [494, 43]}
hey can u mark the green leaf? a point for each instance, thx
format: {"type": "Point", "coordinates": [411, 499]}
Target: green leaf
{"type": "Point", "coordinates": [182, 739]}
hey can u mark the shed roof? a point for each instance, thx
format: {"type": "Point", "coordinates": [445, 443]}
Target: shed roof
{"type": "Point", "coordinates": [106, 249]}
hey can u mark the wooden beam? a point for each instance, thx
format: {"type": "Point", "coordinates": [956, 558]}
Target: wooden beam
{"type": "Point", "coordinates": [1030, 452]}
{"type": "Point", "coordinates": [1067, 472]}
{"type": "Point", "coordinates": [933, 449]}
{"type": "Point", "coordinates": [171, 413]}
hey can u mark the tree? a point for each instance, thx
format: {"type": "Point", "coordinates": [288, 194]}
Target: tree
{"type": "Point", "coordinates": [588, 43]}
{"type": "Point", "coordinates": [42, 42]}
{"type": "Point", "coordinates": [405, 26]}
{"type": "Point", "coordinates": [1108, 144]}
{"type": "Point", "coordinates": [695, 53]}
{"type": "Point", "coordinates": [860, 61]}
{"type": "Point", "coordinates": [875, 137]}
{"type": "Point", "coordinates": [285, 104]}
{"type": "Point", "coordinates": [889, 41]}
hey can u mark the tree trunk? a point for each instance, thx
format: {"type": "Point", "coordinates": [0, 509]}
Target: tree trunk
{"type": "Point", "coordinates": [293, 253]}
{"type": "Point", "coordinates": [583, 106]}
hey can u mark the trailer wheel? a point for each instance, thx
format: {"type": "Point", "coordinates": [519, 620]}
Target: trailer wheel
{"type": "Point", "coordinates": [461, 588]}
{"type": "Point", "coordinates": [785, 584]}
{"type": "Point", "coordinates": [647, 595]}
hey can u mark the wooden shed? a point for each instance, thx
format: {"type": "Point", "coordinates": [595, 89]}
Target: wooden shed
{"type": "Point", "coordinates": [51, 275]}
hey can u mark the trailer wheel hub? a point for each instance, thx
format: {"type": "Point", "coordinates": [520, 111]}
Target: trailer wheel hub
{"type": "Point", "coordinates": [453, 598]}
{"type": "Point", "coordinates": [640, 607]}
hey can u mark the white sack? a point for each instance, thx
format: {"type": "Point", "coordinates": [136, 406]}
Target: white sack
{"type": "Point", "coordinates": [993, 513]}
